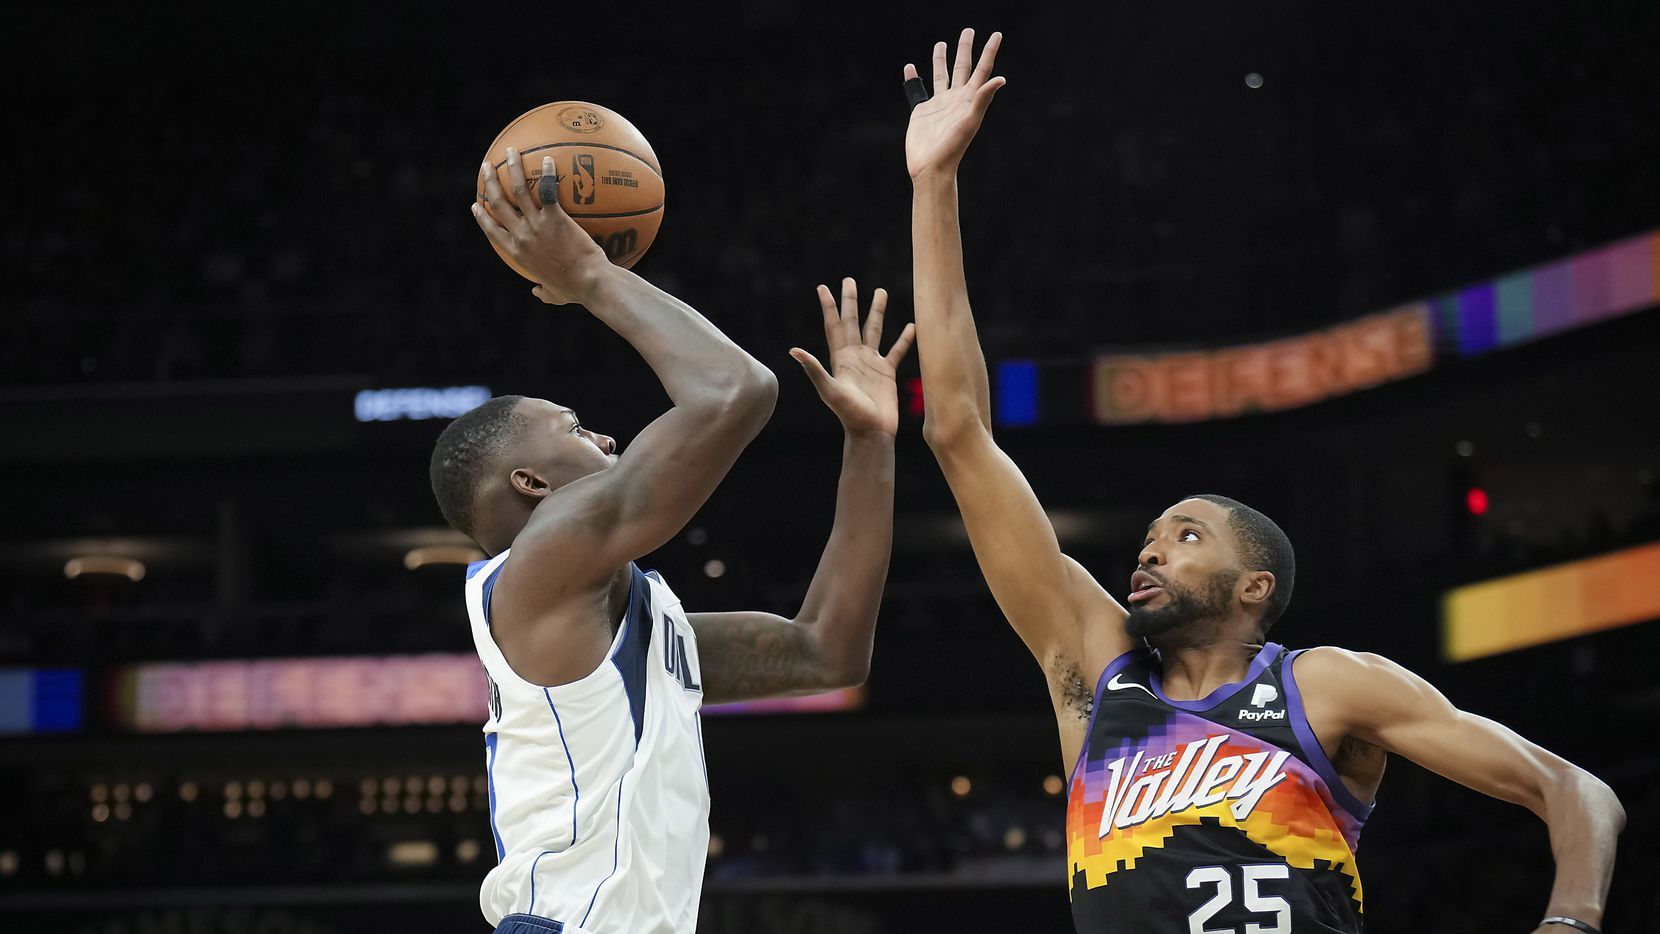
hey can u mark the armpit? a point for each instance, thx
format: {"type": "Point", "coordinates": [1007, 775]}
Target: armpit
{"type": "Point", "coordinates": [1071, 691]}
{"type": "Point", "coordinates": [1360, 759]}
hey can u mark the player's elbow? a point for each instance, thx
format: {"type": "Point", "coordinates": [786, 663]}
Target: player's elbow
{"type": "Point", "coordinates": [1575, 791]}
{"type": "Point", "coordinates": [850, 673]}
{"type": "Point", "coordinates": [1607, 801]}
{"type": "Point", "coordinates": [948, 432]}
{"type": "Point", "coordinates": [747, 397]}
{"type": "Point", "coordinates": [758, 391]}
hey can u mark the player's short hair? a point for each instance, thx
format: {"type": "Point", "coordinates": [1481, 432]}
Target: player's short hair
{"type": "Point", "coordinates": [1263, 546]}
{"type": "Point", "coordinates": [466, 452]}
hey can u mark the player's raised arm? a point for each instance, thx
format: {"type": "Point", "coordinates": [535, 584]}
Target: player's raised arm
{"type": "Point", "coordinates": [1376, 701]}
{"type": "Point", "coordinates": [828, 643]}
{"type": "Point", "coordinates": [581, 534]}
{"type": "Point", "coordinates": [1062, 614]}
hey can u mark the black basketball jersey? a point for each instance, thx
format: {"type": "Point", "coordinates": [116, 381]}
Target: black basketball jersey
{"type": "Point", "coordinates": [1215, 816]}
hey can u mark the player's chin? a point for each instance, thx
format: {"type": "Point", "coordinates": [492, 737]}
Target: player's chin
{"type": "Point", "coordinates": [1144, 622]}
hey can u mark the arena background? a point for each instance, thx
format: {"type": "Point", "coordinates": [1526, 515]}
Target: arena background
{"type": "Point", "coordinates": [224, 223]}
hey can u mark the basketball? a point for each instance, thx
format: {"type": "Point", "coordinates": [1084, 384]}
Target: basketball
{"type": "Point", "coordinates": [609, 180]}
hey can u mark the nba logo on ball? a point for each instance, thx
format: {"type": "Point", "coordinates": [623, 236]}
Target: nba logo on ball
{"type": "Point", "coordinates": [582, 178]}
{"type": "Point", "coordinates": [580, 119]}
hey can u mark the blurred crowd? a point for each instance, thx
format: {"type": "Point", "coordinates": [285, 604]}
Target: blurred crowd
{"type": "Point", "coordinates": [323, 229]}
{"type": "Point", "coordinates": [380, 827]}
{"type": "Point", "coordinates": [1459, 871]}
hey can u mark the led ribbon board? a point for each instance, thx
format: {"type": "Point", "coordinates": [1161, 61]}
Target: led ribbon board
{"type": "Point", "coordinates": [267, 694]}
{"type": "Point", "coordinates": [1201, 384]}
{"type": "Point", "coordinates": [325, 693]}
{"type": "Point", "coordinates": [1558, 602]}
{"type": "Point", "coordinates": [40, 700]}
{"type": "Point", "coordinates": [417, 403]}
{"type": "Point", "coordinates": [844, 699]}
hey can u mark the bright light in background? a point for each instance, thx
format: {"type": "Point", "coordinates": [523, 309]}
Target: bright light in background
{"type": "Point", "coordinates": [715, 568]}
{"type": "Point", "coordinates": [413, 853]}
{"type": "Point", "coordinates": [961, 786]}
{"type": "Point", "coordinates": [417, 558]}
{"type": "Point", "coordinates": [129, 568]}
{"type": "Point", "coordinates": [1476, 501]}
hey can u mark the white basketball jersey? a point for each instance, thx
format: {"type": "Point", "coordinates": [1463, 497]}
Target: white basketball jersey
{"type": "Point", "coordinates": [599, 798]}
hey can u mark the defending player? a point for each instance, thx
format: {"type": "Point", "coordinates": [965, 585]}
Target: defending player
{"type": "Point", "coordinates": [1220, 782]}
{"type": "Point", "coordinates": [598, 794]}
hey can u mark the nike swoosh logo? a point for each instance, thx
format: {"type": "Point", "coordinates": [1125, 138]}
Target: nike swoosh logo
{"type": "Point", "coordinates": [1117, 685]}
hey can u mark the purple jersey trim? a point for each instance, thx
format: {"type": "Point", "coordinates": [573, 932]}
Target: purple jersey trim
{"type": "Point", "coordinates": [1114, 667]}
{"type": "Point", "coordinates": [1313, 752]}
{"type": "Point", "coordinates": [1264, 658]}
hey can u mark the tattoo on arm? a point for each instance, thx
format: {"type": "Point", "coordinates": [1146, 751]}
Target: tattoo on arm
{"type": "Point", "coordinates": [750, 655]}
{"type": "Point", "coordinates": [1358, 751]}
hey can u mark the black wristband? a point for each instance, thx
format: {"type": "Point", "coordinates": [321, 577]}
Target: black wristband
{"type": "Point", "coordinates": [1574, 923]}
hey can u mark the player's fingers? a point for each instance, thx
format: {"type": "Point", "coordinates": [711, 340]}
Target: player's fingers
{"type": "Point", "coordinates": [850, 311]}
{"type": "Point", "coordinates": [497, 234]}
{"type": "Point", "coordinates": [815, 370]}
{"type": "Point", "coordinates": [547, 186]}
{"type": "Point", "coordinates": [965, 58]}
{"type": "Point", "coordinates": [518, 190]}
{"type": "Point", "coordinates": [495, 202]}
{"type": "Point", "coordinates": [942, 75]}
{"type": "Point", "coordinates": [832, 317]}
{"type": "Point", "coordinates": [902, 346]}
{"type": "Point", "coordinates": [915, 91]}
{"type": "Point", "coordinates": [988, 60]}
{"type": "Point", "coordinates": [873, 319]}
{"type": "Point", "coordinates": [987, 91]}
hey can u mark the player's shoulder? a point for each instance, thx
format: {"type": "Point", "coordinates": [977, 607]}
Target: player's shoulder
{"type": "Point", "coordinates": [1336, 668]}
{"type": "Point", "coordinates": [1363, 686]}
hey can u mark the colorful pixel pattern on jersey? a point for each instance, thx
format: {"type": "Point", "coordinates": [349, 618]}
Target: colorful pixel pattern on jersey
{"type": "Point", "coordinates": [1236, 773]}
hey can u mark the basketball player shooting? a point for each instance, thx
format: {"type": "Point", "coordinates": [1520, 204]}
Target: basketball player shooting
{"type": "Point", "coordinates": [1219, 782]}
{"type": "Point", "coordinates": [599, 797]}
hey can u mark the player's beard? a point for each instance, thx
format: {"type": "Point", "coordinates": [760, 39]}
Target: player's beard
{"type": "Point", "coordinates": [1188, 613]}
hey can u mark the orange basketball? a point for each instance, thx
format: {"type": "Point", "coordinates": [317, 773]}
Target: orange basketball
{"type": "Point", "coordinates": [609, 180]}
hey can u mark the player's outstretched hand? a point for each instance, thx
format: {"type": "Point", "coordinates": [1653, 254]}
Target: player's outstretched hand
{"type": "Point", "coordinates": [942, 125]}
{"type": "Point", "coordinates": [860, 386]}
{"type": "Point", "coordinates": [540, 237]}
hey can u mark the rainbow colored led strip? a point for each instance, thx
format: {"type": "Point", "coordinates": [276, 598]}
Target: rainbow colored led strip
{"type": "Point", "coordinates": [1558, 602]}
{"type": "Point", "coordinates": [1584, 288]}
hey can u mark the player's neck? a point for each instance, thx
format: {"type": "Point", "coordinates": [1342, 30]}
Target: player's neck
{"type": "Point", "coordinates": [496, 533]}
{"type": "Point", "coordinates": [1189, 672]}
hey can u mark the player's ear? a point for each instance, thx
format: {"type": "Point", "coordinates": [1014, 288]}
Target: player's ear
{"type": "Point", "coordinates": [1255, 587]}
{"type": "Point", "coordinates": [527, 482]}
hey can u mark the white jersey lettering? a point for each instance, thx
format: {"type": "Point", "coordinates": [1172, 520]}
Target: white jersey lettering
{"type": "Point", "coordinates": [1198, 779]}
